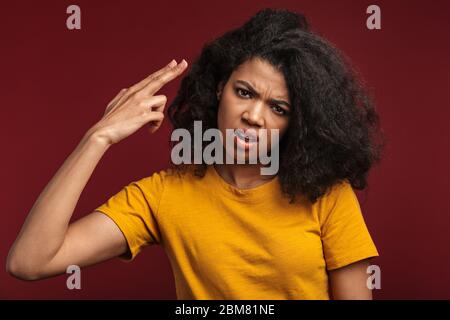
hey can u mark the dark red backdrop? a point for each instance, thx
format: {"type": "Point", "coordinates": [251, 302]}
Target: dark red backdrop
{"type": "Point", "coordinates": [56, 83]}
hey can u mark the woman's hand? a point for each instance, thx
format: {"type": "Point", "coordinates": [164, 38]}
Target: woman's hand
{"type": "Point", "coordinates": [134, 107]}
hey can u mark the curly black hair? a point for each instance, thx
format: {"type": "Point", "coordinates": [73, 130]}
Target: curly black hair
{"type": "Point", "coordinates": [334, 132]}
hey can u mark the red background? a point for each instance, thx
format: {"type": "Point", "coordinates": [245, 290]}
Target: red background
{"type": "Point", "coordinates": [56, 83]}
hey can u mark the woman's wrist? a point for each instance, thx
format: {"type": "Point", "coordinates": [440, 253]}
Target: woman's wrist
{"type": "Point", "coordinates": [93, 136]}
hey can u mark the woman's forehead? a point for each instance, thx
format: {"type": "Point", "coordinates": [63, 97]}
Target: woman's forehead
{"type": "Point", "coordinates": [262, 76]}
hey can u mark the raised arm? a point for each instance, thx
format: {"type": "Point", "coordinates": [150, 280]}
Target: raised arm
{"type": "Point", "coordinates": [47, 244]}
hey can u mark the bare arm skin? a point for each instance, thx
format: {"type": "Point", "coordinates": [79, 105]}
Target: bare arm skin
{"type": "Point", "coordinates": [48, 243]}
{"type": "Point", "coordinates": [350, 282]}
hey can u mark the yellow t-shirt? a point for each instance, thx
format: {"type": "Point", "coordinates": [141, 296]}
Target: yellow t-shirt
{"type": "Point", "coordinates": [229, 243]}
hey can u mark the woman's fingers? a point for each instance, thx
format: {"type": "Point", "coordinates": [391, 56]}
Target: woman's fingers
{"type": "Point", "coordinates": [132, 108]}
{"type": "Point", "coordinates": [158, 103]}
{"type": "Point", "coordinates": [159, 81]}
{"type": "Point", "coordinates": [124, 93]}
{"type": "Point", "coordinates": [154, 103]}
{"type": "Point", "coordinates": [155, 120]}
{"type": "Point", "coordinates": [155, 106]}
{"type": "Point", "coordinates": [114, 101]}
{"type": "Point", "coordinates": [138, 86]}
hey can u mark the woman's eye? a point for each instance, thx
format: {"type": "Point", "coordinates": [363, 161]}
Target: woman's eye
{"type": "Point", "coordinates": [278, 110]}
{"type": "Point", "coordinates": [243, 93]}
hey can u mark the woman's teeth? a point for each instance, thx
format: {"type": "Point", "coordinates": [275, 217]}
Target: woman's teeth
{"type": "Point", "coordinates": [241, 135]}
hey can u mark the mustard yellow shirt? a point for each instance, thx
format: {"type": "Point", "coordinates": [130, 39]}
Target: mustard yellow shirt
{"type": "Point", "coordinates": [229, 243]}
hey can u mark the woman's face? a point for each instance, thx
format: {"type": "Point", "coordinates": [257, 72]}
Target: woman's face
{"type": "Point", "coordinates": [254, 97]}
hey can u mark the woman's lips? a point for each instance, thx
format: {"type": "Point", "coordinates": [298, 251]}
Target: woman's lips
{"type": "Point", "coordinates": [245, 141]}
{"type": "Point", "coordinates": [249, 135]}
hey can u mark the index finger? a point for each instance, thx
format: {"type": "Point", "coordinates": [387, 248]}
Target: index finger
{"type": "Point", "coordinates": [157, 83]}
{"type": "Point", "coordinates": [146, 80]}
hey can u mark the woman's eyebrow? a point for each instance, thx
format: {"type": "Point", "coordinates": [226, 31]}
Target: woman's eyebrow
{"type": "Point", "coordinates": [248, 85]}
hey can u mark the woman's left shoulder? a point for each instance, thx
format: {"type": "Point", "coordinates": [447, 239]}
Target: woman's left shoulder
{"type": "Point", "coordinates": [340, 195]}
{"type": "Point", "coordinates": [342, 189]}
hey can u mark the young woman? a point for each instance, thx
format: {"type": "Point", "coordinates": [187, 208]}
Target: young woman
{"type": "Point", "coordinates": [229, 231]}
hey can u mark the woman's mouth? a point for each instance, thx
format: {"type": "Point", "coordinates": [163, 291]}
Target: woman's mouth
{"type": "Point", "coordinates": [245, 140]}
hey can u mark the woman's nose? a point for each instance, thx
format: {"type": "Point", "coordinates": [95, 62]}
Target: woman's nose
{"type": "Point", "coordinates": [254, 115]}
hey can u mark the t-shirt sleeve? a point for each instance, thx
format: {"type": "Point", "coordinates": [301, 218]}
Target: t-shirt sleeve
{"type": "Point", "coordinates": [345, 236]}
{"type": "Point", "coordinates": [134, 209]}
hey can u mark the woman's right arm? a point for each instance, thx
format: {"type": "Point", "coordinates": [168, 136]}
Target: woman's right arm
{"type": "Point", "coordinates": [47, 244]}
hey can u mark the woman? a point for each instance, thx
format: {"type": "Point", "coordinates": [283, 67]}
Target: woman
{"type": "Point", "coordinates": [229, 231]}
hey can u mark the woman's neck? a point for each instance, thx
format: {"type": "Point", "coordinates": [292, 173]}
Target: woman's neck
{"type": "Point", "coordinates": [242, 176]}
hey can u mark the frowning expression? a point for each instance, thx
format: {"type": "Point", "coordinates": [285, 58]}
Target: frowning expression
{"type": "Point", "coordinates": [254, 97]}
